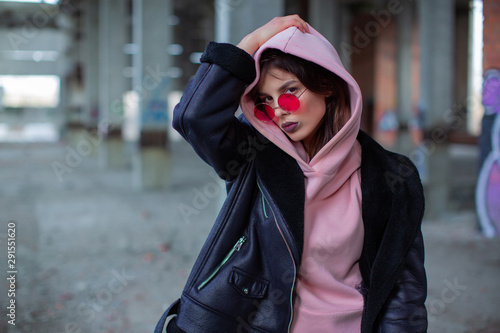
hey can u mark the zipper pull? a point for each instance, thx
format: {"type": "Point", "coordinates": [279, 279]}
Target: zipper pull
{"type": "Point", "coordinates": [228, 256]}
{"type": "Point", "coordinates": [239, 243]}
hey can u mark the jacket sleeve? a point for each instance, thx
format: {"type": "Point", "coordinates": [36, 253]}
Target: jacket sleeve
{"type": "Point", "coordinates": [205, 115]}
{"type": "Point", "coordinates": [404, 310]}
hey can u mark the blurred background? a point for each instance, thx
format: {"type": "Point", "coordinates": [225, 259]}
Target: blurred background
{"type": "Point", "coordinates": [110, 207]}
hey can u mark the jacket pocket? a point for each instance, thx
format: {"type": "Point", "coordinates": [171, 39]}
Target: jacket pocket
{"type": "Point", "coordinates": [228, 256]}
{"type": "Point", "coordinates": [248, 285]}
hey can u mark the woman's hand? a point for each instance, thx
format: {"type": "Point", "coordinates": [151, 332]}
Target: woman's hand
{"type": "Point", "coordinates": [254, 40]}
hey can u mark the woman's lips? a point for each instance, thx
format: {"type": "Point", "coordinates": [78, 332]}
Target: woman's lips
{"type": "Point", "coordinates": [289, 126]}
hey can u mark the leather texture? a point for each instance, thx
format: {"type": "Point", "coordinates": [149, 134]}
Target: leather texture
{"type": "Point", "coordinates": [253, 290]}
{"type": "Point", "coordinates": [403, 311]}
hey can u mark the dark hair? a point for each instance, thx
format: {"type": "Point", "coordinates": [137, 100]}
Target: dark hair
{"type": "Point", "coordinates": [319, 80]}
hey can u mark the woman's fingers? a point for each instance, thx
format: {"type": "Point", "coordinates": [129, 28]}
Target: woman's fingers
{"type": "Point", "coordinates": [261, 35]}
{"type": "Point", "coordinates": [302, 25]}
{"type": "Point", "coordinates": [284, 22]}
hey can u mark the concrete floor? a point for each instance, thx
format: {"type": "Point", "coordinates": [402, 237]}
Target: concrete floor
{"type": "Point", "coordinates": [95, 255]}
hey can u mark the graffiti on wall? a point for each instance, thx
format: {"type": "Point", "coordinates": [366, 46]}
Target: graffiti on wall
{"type": "Point", "coordinates": [488, 186]}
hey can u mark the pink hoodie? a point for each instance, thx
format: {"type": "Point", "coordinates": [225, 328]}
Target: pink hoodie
{"type": "Point", "coordinates": [326, 298]}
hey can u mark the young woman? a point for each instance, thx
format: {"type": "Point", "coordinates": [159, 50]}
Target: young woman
{"type": "Point", "coordinates": [331, 238]}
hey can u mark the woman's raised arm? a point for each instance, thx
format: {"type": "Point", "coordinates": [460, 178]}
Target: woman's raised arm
{"type": "Point", "coordinates": [205, 114]}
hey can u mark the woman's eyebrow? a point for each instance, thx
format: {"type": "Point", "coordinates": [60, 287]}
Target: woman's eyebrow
{"type": "Point", "coordinates": [287, 84]}
{"type": "Point", "coordinates": [282, 87]}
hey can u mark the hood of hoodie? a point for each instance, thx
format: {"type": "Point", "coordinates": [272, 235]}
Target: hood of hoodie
{"type": "Point", "coordinates": [341, 156]}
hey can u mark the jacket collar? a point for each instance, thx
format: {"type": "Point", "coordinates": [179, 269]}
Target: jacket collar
{"type": "Point", "coordinates": [392, 201]}
{"type": "Point", "coordinates": [283, 179]}
{"type": "Point", "coordinates": [393, 207]}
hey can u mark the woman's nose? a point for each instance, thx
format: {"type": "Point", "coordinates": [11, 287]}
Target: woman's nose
{"type": "Point", "coordinates": [278, 111]}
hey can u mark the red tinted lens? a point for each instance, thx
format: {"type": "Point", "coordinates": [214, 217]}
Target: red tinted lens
{"type": "Point", "coordinates": [264, 112]}
{"type": "Point", "coordinates": [289, 102]}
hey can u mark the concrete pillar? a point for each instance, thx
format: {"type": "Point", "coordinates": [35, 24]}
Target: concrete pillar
{"type": "Point", "coordinates": [404, 78]}
{"type": "Point", "coordinates": [113, 20]}
{"type": "Point", "coordinates": [385, 85]}
{"type": "Point", "coordinates": [236, 19]}
{"type": "Point", "coordinates": [90, 58]}
{"type": "Point", "coordinates": [152, 34]}
{"type": "Point", "coordinates": [70, 101]}
{"type": "Point", "coordinates": [404, 39]}
{"type": "Point", "coordinates": [85, 127]}
{"type": "Point", "coordinates": [437, 26]}
{"type": "Point", "coordinates": [475, 65]}
{"type": "Point", "coordinates": [325, 16]}
{"type": "Point", "coordinates": [345, 38]}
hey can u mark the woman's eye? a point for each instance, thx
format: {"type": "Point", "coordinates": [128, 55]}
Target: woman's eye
{"type": "Point", "coordinates": [267, 100]}
{"type": "Point", "coordinates": [291, 91]}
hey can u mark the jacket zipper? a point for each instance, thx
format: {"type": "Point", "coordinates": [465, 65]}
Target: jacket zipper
{"type": "Point", "coordinates": [228, 256]}
{"type": "Point", "coordinates": [289, 251]}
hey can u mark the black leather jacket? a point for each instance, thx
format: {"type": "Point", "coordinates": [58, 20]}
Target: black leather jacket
{"type": "Point", "coordinates": [392, 261]}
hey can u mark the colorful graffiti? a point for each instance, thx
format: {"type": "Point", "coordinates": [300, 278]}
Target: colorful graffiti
{"type": "Point", "coordinates": [488, 187]}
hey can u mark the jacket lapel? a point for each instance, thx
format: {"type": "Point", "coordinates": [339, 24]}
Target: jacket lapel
{"type": "Point", "coordinates": [392, 212]}
{"type": "Point", "coordinates": [283, 179]}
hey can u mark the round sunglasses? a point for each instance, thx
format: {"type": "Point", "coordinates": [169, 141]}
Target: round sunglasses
{"type": "Point", "coordinates": [288, 102]}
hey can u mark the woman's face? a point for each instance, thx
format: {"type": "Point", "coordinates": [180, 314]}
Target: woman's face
{"type": "Point", "coordinates": [301, 124]}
